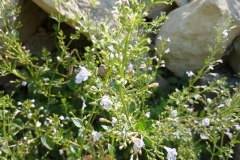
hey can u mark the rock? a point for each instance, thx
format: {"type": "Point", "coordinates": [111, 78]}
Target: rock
{"type": "Point", "coordinates": [95, 14]}
{"type": "Point", "coordinates": [181, 2]}
{"type": "Point", "coordinates": [234, 57]}
{"type": "Point", "coordinates": [191, 30]}
{"type": "Point", "coordinates": [31, 17]}
{"type": "Point", "coordinates": [156, 9]}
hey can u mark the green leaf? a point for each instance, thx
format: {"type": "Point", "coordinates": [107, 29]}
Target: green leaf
{"type": "Point", "coordinates": [18, 123]}
{"type": "Point", "coordinates": [7, 151]}
{"type": "Point", "coordinates": [132, 107]}
{"type": "Point", "coordinates": [111, 149]}
{"type": "Point", "coordinates": [71, 84]}
{"type": "Point", "coordinates": [172, 80]}
{"type": "Point", "coordinates": [73, 149]}
{"type": "Point", "coordinates": [147, 142]}
{"type": "Point", "coordinates": [141, 125]}
{"type": "Point", "coordinates": [47, 142]}
{"type": "Point", "coordinates": [107, 128]}
{"type": "Point", "coordinates": [202, 113]}
{"type": "Point", "coordinates": [78, 122]}
{"type": "Point", "coordinates": [149, 125]}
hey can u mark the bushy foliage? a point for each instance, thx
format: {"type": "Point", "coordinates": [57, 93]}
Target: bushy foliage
{"type": "Point", "coordinates": [96, 105]}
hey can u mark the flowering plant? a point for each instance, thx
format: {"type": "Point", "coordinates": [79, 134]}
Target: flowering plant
{"type": "Point", "coordinates": [104, 107]}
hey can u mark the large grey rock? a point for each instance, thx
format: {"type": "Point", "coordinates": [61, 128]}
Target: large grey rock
{"type": "Point", "coordinates": [234, 57]}
{"type": "Point", "coordinates": [95, 13]}
{"type": "Point", "coordinates": [191, 30]}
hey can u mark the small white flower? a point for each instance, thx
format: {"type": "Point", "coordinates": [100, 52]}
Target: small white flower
{"type": "Point", "coordinates": [106, 102]}
{"type": "Point", "coordinates": [174, 113]}
{"type": "Point", "coordinates": [237, 127]}
{"type": "Point", "coordinates": [168, 40]}
{"type": "Point", "coordinates": [61, 152]}
{"type": "Point", "coordinates": [157, 122]}
{"type": "Point", "coordinates": [82, 75]}
{"type": "Point", "coordinates": [214, 74]}
{"type": "Point", "coordinates": [203, 136]}
{"type": "Point", "coordinates": [172, 153]}
{"type": "Point", "coordinates": [61, 125]}
{"type": "Point", "coordinates": [130, 68]}
{"type": "Point", "coordinates": [4, 145]}
{"type": "Point", "coordinates": [115, 11]}
{"type": "Point", "coordinates": [229, 134]}
{"type": "Point", "coordinates": [206, 122]}
{"type": "Point", "coordinates": [147, 114]}
{"type": "Point", "coordinates": [160, 38]}
{"type": "Point", "coordinates": [220, 61]}
{"type": "Point", "coordinates": [61, 117]}
{"type": "Point", "coordinates": [67, 118]}
{"type": "Point", "coordinates": [84, 105]}
{"type": "Point", "coordinates": [221, 105]}
{"type": "Point", "coordinates": [190, 101]}
{"type": "Point", "coordinates": [38, 124]}
{"type": "Point", "coordinates": [33, 100]}
{"type": "Point", "coordinates": [167, 51]}
{"type": "Point", "coordinates": [16, 112]}
{"type": "Point", "coordinates": [114, 120]}
{"type": "Point", "coordinates": [225, 33]}
{"type": "Point", "coordinates": [24, 83]}
{"type": "Point", "coordinates": [118, 2]}
{"type": "Point", "coordinates": [96, 135]}
{"type": "Point", "coordinates": [19, 103]}
{"type": "Point", "coordinates": [24, 138]}
{"type": "Point", "coordinates": [209, 100]}
{"type": "Point", "coordinates": [190, 73]}
{"type": "Point", "coordinates": [138, 144]}
{"type": "Point", "coordinates": [41, 108]}
{"type": "Point", "coordinates": [176, 133]}
{"type": "Point", "coordinates": [32, 105]}
{"type": "Point", "coordinates": [29, 115]}
{"type": "Point", "coordinates": [143, 65]}
{"type": "Point", "coordinates": [210, 67]}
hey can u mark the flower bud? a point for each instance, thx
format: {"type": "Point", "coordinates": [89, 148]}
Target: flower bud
{"type": "Point", "coordinates": [153, 85]}
{"type": "Point", "coordinates": [104, 120]}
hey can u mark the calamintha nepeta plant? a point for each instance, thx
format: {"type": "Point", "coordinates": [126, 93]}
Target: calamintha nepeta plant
{"type": "Point", "coordinates": [95, 105]}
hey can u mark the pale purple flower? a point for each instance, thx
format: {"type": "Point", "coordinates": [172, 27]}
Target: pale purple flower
{"type": "Point", "coordinates": [138, 144]}
{"type": "Point", "coordinates": [221, 105]}
{"type": "Point", "coordinates": [114, 120]}
{"type": "Point", "coordinates": [82, 75]}
{"type": "Point", "coordinates": [229, 134]}
{"type": "Point", "coordinates": [106, 102]}
{"type": "Point", "coordinates": [147, 114]}
{"type": "Point", "coordinates": [96, 135]}
{"type": "Point", "coordinates": [190, 73]}
{"type": "Point", "coordinates": [203, 136]}
{"type": "Point", "coordinates": [174, 113]}
{"type": "Point", "coordinates": [172, 153]}
{"type": "Point", "coordinates": [176, 133]}
{"type": "Point", "coordinates": [206, 122]}
{"type": "Point", "coordinates": [24, 83]}
{"type": "Point", "coordinates": [237, 127]}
